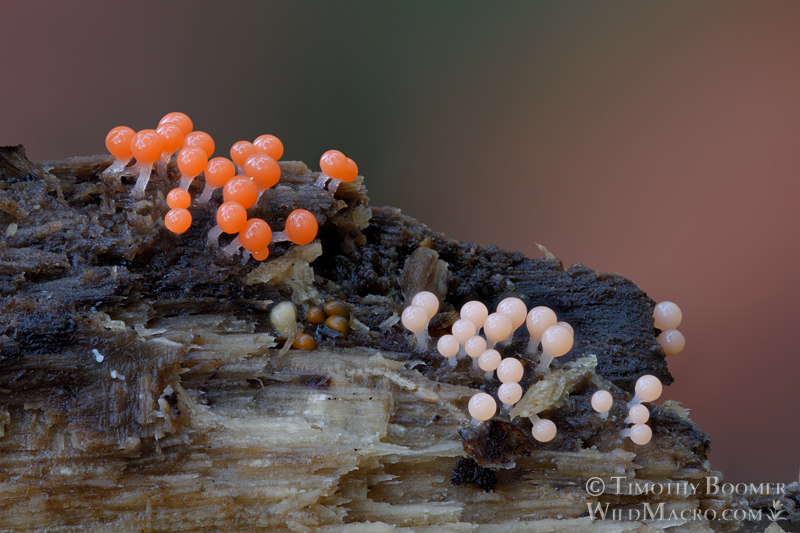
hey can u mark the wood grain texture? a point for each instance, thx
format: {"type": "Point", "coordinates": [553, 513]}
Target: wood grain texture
{"type": "Point", "coordinates": [215, 427]}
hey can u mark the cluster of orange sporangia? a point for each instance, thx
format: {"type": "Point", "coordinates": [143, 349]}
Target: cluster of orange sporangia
{"type": "Point", "coordinates": [252, 169]}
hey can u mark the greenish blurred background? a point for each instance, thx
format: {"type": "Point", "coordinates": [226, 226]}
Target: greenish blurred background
{"type": "Point", "coordinates": [655, 139]}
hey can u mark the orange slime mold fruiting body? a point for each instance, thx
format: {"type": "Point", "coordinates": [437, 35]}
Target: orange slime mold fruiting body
{"type": "Point", "coordinates": [231, 218]}
{"type": "Point", "coordinates": [179, 199]}
{"type": "Point", "coordinates": [334, 164]}
{"type": "Point", "coordinates": [218, 172]}
{"type": "Point", "coordinates": [672, 341]}
{"type": "Point", "coordinates": [181, 119]}
{"type": "Point", "coordinates": [146, 147]}
{"type": "Point", "coordinates": [510, 370]}
{"type": "Point", "coordinates": [178, 220]}
{"type": "Point", "coordinates": [242, 190]}
{"type": "Point", "coordinates": [270, 145]}
{"type": "Point", "coordinates": [667, 315]}
{"type": "Point", "coordinates": [336, 168]}
{"type": "Point", "coordinates": [192, 162]}
{"type": "Point", "coordinates": [118, 144]}
{"type": "Point", "coordinates": [261, 254]}
{"type": "Point", "coordinates": [301, 228]}
{"type": "Point", "coordinates": [254, 236]}
{"type": "Point", "coordinates": [173, 136]}
{"type": "Point", "coordinates": [264, 170]}
{"type": "Point", "coordinates": [200, 139]}
{"type": "Point", "coordinates": [240, 151]}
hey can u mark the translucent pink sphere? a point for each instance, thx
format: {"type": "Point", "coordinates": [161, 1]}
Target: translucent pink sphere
{"type": "Point", "coordinates": [475, 312]}
{"type": "Point", "coordinates": [415, 319]}
{"type": "Point", "coordinates": [672, 341]}
{"type": "Point", "coordinates": [602, 401]}
{"type": "Point", "coordinates": [639, 414]}
{"type": "Point", "coordinates": [489, 360]}
{"type": "Point", "coordinates": [556, 341]}
{"type": "Point", "coordinates": [539, 319]}
{"type": "Point", "coordinates": [667, 315]}
{"type": "Point", "coordinates": [482, 407]}
{"type": "Point", "coordinates": [463, 330]}
{"type": "Point", "coordinates": [428, 301]}
{"type": "Point", "coordinates": [475, 346]}
{"type": "Point", "coordinates": [641, 434]}
{"type": "Point", "coordinates": [566, 325]}
{"type": "Point", "coordinates": [510, 370]}
{"type": "Point", "coordinates": [448, 346]}
{"type": "Point", "coordinates": [513, 308]}
{"type": "Point", "coordinates": [497, 328]}
{"type": "Point", "coordinates": [509, 393]}
{"type": "Point", "coordinates": [648, 388]}
{"type": "Point", "coordinates": [544, 430]}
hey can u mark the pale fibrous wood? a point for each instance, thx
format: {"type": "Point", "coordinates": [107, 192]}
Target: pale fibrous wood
{"type": "Point", "coordinates": [142, 387]}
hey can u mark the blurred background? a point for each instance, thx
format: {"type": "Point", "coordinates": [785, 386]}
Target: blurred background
{"type": "Point", "coordinates": [657, 140]}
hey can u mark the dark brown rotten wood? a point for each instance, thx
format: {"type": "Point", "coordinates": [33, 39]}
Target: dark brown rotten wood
{"type": "Point", "coordinates": [195, 419]}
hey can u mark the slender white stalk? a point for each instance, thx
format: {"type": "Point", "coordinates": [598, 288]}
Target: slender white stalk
{"type": "Point", "coordinates": [141, 181]}
{"type": "Point", "coordinates": [233, 247]}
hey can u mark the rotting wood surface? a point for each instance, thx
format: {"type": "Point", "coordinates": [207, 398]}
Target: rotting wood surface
{"type": "Point", "coordinates": [195, 419]}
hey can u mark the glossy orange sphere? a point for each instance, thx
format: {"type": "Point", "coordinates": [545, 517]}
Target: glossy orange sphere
{"type": "Point", "coordinates": [218, 171]}
{"type": "Point", "coordinates": [352, 171]}
{"type": "Point", "coordinates": [146, 146]}
{"type": "Point", "coordinates": [270, 145]}
{"type": "Point", "coordinates": [118, 142]}
{"type": "Point", "coordinates": [179, 199]}
{"type": "Point", "coordinates": [192, 161]}
{"type": "Point", "coordinates": [231, 217]}
{"type": "Point", "coordinates": [264, 170]}
{"type": "Point", "coordinates": [334, 164]}
{"type": "Point", "coordinates": [180, 119]}
{"type": "Point", "coordinates": [200, 139]}
{"type": "Point", "coordinates": [178, 220]}
{"type": "Point", "coordinates": [256, 235]}
{"type": "Point", "coordinates": [301, 227]}
{"type": "Point", "coordinates": [261, 254]}
{"type": "Point", "coordinates": [242, 190]}
{"type": "Point", "coordinates": [240, 151]}
{"type": "Point", "coordinates": [173, 136]}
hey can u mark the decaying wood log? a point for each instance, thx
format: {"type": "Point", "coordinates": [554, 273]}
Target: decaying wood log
{"type": "Point", "coordinates": [143, 388]}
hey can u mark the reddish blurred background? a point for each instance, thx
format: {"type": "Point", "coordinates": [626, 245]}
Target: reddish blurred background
{"type": "Point", "coordinates": [658, 140]}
